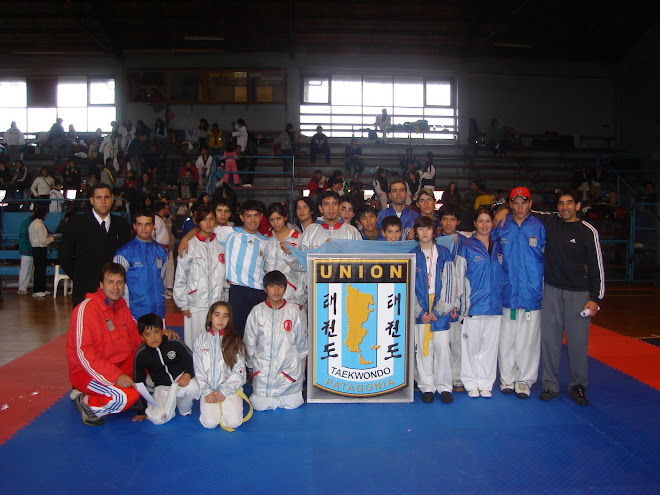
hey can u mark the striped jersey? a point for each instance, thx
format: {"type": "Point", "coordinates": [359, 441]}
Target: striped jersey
{"type": "Point", "coordinates": [245, 254]}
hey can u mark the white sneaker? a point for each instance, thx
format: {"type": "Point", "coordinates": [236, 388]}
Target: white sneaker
{"type": "Point", "coordinates": [168, 294]}
{"type": "Point", "coordinates": [486, 393]}
{"type": "Point", "coordinates": [505, 388]}
{"type": "Point", "coordinates": [48, 292]}
{"type": "Point", "coordinates": [22, 292]}
{"type": "Point", "coordinates": [38, 294]}
{"type": "Point", "coordinates": [473, 393]}
{"type": "Point", "coordinates": [522, 390]}
{"type": "Point", "coordinates": [74, 393]}
{"type": "Point", "coordinates": [247, 185]}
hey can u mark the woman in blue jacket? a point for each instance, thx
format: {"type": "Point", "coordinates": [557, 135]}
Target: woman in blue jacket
{"type": "Point", "coordinates": [481, 283]}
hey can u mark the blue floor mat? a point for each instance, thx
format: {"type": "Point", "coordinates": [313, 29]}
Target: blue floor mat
{"type": "Point", "coordinates": [499, 445]}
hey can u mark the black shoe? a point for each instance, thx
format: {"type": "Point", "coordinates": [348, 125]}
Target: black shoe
{"type": "Point", "coordinates": [577, 393]}
{"type": "Point", "coordinates": [87, 416]}
{"type": "Point", "coordinates": [548, 394]}
{"type": "Point", "coordinates": [427, 397]}
{"type": "Point", "coordinates": [446, 397]}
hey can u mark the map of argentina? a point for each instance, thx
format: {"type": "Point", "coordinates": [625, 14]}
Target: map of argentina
{"type": "Point", "coordinates": [358, 307]}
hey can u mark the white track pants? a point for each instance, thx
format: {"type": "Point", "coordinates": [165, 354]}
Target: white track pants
{"type": "Point", "coordinates": [479, 351]}
{"type": "Point", "coordinates": [170, 398]}
{"type": "Point", "coordinates": [434, 369]}
{"type": "Point", "coordinates": [291, 401]}
{"type": "Point", "coordinates": [232, 412]}
{"type": "Point", "coordinates": [26, 273]}
{"type": "Point", "coordinates": [455, 331]}
{"type": "Point", "coordinates": [194, 326]}
{"type": "Point", "coordinates": [520, 347]}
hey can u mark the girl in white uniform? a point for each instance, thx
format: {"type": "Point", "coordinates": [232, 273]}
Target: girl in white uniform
{"type": "Point", "coordinates": [296, 290]}
{"type": "Point", "coordinates": [219, 362]}
{"type": "Point", "coordinates": [200, 278]}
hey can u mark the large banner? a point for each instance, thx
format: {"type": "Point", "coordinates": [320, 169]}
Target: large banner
{"type": "Point", "coordinates": [360, 328]}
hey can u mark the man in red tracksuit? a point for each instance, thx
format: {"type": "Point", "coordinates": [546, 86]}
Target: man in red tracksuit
{"type": "Point", "coordinates": [102, 341]}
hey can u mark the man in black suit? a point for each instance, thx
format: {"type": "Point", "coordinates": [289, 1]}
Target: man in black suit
{"type": "Point", "coordinates": [90, 240]}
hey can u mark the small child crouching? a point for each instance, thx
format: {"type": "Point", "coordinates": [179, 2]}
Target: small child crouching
{"type": "Point", "coordinates": [276, 343]}
{"type": "Point", "coordinates": [219, 359]}
{"type": "Point", "coordinates": [170, 366]}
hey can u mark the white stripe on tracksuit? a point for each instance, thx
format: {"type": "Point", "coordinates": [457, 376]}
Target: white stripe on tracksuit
{"type": "Point", "coordinates": [81, 355]}
{"type": "Point", "coordinates": [118, 399]}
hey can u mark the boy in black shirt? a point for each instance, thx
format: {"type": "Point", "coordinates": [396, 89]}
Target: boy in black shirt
{"type": "Point", "coordinates": [170, 365]}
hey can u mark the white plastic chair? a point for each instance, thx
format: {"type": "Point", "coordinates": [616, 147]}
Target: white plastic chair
{"type": "Point", "coordinates": [61, 276]}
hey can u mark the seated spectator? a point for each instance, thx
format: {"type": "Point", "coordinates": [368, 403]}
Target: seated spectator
{"type": "Point", "coordinates": [172, 152]}
{"type": "Point", "coordinates": [137, 149]}
{"type": "Point", "coordinates": [484, 199]}
{"type": "Point", "coordinates": [5, 175]}
{"type": "Point", "coordinates": [126, 133]}
{"type": "Point", "coordinates": [427, 172]}
{"type": "Point", "coordinates": [409, 162]}
{"type": "Point", "coordinates": [159, 132]}
{"type": "Point", "coordinates": [111, 148]}
{"type": "Point", "coordinates": [384, 123]}
{"type": "Point", "coordinates": [71, 176]}
{"type": "Point", "coordinates": [153, 163]}
{"type": "Point", "coordinates": [319, 144]}
{"type": "Point", "coordinates": [451, 195]}
{"type": "Point", "coordinates": [216, 147]}
{"type": "Point", "coordinates": [286, 142]}
{"type": "Point", "coordinates": [381, 187]}
{"type": "Point", "coordinates": [72, 134]}
{"type": "Point", "coordinates": [353, 157]}
{"type": "Point", "coordinates": [317, 184]}
{"type": "Point", "coordinates": [413, 185]}
{"type": "Point", "coordinates": [203, 133]}
{"type": "Point", "coordinates": [495, 138]}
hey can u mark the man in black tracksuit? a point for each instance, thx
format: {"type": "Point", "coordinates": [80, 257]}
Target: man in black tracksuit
{"type": "Point", "coordinates": [574, 282]}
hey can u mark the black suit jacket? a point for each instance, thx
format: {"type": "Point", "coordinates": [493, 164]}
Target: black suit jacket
{"type": "Point", "coordinates": [86, 247]}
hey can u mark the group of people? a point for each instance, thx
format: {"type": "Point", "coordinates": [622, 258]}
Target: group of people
{"type": "Point", "coordinates": [503, 293]}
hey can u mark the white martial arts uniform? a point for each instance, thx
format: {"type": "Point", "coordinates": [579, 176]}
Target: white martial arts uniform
{"type": "Point", "coordinates": [199, 282]}
{"type": "Point", "coordinates": [213, 375]}
{"type": "Point", "coordinates": [276, 345]}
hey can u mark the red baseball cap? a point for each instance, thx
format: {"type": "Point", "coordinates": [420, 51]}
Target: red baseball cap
{"type": "Point", "coordinates": [523, 192]}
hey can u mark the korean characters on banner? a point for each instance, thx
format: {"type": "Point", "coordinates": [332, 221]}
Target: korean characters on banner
{"type": "Point", "coordinates": [359, 329]}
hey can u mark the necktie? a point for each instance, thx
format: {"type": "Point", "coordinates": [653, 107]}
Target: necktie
{"type": "Point", "coordinates": [103, 225]}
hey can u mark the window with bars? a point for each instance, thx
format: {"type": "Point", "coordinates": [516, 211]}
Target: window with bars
{"type": "Point", "coordinates": [347, 105]}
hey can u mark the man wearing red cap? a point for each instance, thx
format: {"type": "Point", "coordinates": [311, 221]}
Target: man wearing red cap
{"type": "Point", "coordinates": [573, 286]}
{"type": "Point", "coordinates": [522, 238]}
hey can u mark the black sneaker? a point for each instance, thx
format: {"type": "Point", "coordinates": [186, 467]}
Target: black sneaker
{"type": "Point", "coordinates": [446, 397]}
{"type": "Point", "coordinates": [577, 393]}
{"type": "Point", "coordinates": [548, 394]}
{"type": "Point", "coordinates": [427, 397]}
{"type": "Point", "coordinates": [88, 417]}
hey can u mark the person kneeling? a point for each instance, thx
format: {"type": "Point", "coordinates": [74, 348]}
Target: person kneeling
{"type": "Point", "coordinates": [170, 366]}
{"type": "Point", "coordinates": [219, 359]}
{"type": "Point", "coordinates": [276, 344]}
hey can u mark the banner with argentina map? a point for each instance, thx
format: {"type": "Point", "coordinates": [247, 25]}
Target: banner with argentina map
{"type": "Point", "coordinates": [360, 328]}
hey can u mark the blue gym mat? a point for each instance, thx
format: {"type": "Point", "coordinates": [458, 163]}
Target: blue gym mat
{"type": "Point", "coordinates": [500, 445]}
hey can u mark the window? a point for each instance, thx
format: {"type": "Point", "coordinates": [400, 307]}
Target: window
{"type": "Point", "coordinates": [36, 102]}
{"type": "Point", "coordinates": [347, 105]}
